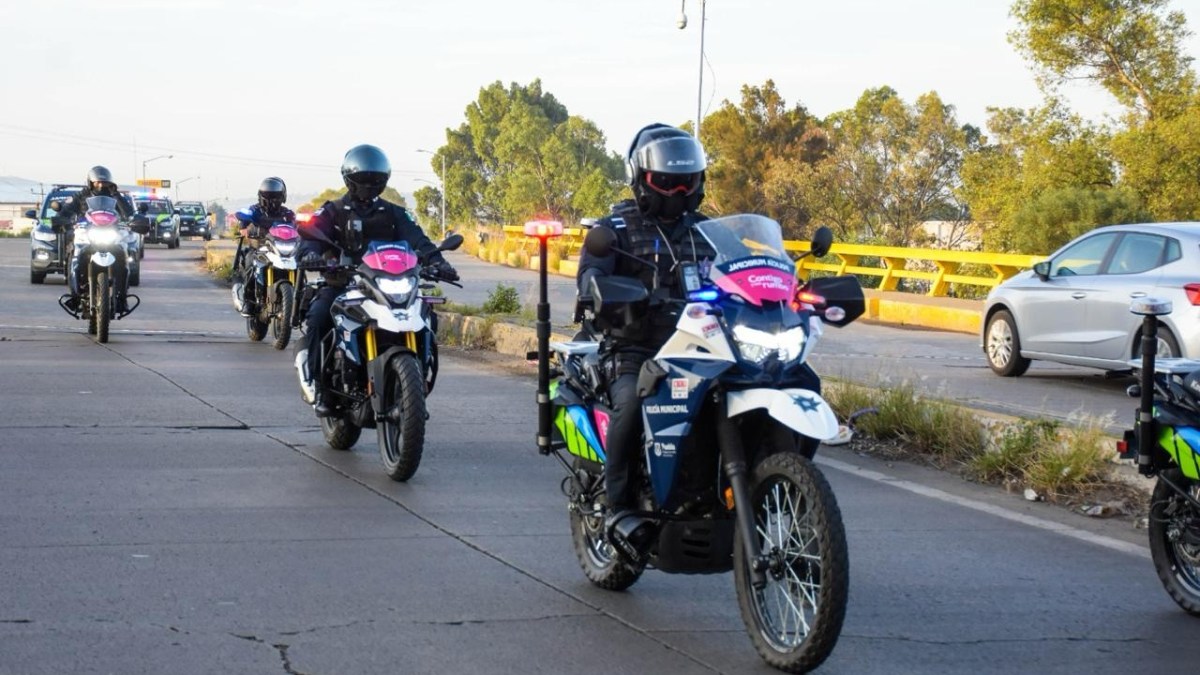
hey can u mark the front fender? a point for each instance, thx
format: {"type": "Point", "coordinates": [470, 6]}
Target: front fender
{"type": "Point", "coordinates": [103, 258]}
{"type": "Point", "coordinates": [800, 410]}
{"type": "Point", "coordinates": [377, 374]}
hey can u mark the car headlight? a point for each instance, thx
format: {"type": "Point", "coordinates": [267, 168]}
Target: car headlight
{"type": "Point", "coordinates": [103, 236]}
{"type": "Point", "coordinates": [757, 346]}
{"type": "Point", "coordinates": [43, 236]}
{"type": "Point", "coordinates": [397, 290]}
{"type": "Point", "coordinates": [289, 248]}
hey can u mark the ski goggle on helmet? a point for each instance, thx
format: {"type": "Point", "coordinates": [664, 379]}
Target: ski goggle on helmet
{"type": "Point", "coordinates": [672, 165]}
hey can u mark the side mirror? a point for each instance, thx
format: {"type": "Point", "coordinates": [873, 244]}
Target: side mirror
{"type": "Point", "coordinates": [31, 214]}
{"type": "Point", "coordinates": [451, 243]}
{"type": "Point", "coordinates": [821, 242]}
{"type": "Point", "coordinates": [600, 241]}
{"type": "Point", "coordinates": [1042, 269]}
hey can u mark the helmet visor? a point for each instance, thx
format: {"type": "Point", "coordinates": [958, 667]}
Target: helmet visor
{"type": "Point", "coordinates": [374, 180]}
{"type": "Point", "coordinates": [671, 155]}
{"type": "Point", "coordinates": [673, 183]}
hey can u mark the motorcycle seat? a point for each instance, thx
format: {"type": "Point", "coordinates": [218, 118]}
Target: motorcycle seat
{"type": "Point", "coordinates": [575, 348]}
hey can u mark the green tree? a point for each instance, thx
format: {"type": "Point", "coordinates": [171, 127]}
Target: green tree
{"type": "Point", "coordinates": [429, 205]}
{"type": "Point", "coordinates": [1160, 161]}
{"type": "Point", "coordinates": [521, 154]}
{"type": "Point", "coordinates": [330, 194]}
{"type": "Point", "coordinates": [1133, 48]}
{"type": "Point", "coordinates": [1032, 152]}
{"type": "Point", "coordinates": [1047, 221]}
{"type": "Point", "coordinates": [890, 167]}
{"type": "Point", "coordinates": [743, 142]}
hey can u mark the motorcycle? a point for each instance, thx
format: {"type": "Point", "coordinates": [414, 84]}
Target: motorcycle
{"type": "Point", "coordinates": [380, 360]}
{"type": "Point", "coordinates": [730, 430]}
{"type": "Point", "coordinates": [100, 245]}
{"type": "Point", "coordinates": [272, 295]}
{"type": "Point", "coordinates": [1165, 442]}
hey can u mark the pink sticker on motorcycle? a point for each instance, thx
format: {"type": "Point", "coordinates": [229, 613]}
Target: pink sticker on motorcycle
{"type": "Point", "coordinates": [391, 260]}
{"type": "Point", "coordinates": [602, 427]}
{"type": "Point", "coordinates": [283, 232]}
{"type": "Point", "coordinates": [759, 284]}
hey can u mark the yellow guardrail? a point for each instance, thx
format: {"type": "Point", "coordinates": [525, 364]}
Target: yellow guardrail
{"type": "Point", "coordinates": [890, 263]}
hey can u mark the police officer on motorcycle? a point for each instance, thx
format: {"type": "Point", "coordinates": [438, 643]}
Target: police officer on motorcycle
{"type": "Point", "coordinates": [351, 222]}
{"type": "Point", "coordinates": [99, 183]}
{"type": "Point", "coordinates": [256, 220]}
{"type": "Point", "coordinates": [665, 167]}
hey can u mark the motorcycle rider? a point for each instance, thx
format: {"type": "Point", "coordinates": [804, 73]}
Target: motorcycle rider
{"type": "Point", "coordinates": [352, 221]}
{"type": "Point", "coordinates": [665, 168]}
{"type": "Point", "coordinates": [99, 183]}
{"type": "Point", "coordinates": [256, 220]}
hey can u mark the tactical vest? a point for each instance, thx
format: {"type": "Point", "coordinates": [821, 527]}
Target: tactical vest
{"type": "Point", "coordinates": [380, 223]}
{"type": "Point", "coordinates": [643, 238]}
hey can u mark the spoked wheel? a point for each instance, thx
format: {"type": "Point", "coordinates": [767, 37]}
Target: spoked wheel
{"type": "Point", "coordinates": [340, 434]}
{"type": "Point", "coordinates": [281, 320]}
{"type": "Point", "coordinates": [601, 563]}
{"type": "Point", "coordinates": [402, 431]}
{"type": "Point", "coordinates": [1175, 542]}
{"type": "Point", "coordinates": [794, 621]}
{"type": "Point", "coordinates": [1002, 346]}
{"type": "Point", "coordinates": [101, 305]}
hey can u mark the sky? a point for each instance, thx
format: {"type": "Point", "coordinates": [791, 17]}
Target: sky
{"type": "Point", "coordinates": [236, 90]}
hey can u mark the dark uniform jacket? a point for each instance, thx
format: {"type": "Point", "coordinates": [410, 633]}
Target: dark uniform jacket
{"type": "Point", "coordinates": [353, 225]}
{"type": "Point", "coordinates": [74, 206]}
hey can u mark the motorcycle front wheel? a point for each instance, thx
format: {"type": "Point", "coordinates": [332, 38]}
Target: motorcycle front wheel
{"type": "Point", "coordinates": [102, 305]}
{"type": "Point", "coordinates": [402, 431]}
{"type": "Point", "coordinates": [281, 321]}
{"type": "Point", "coordinates": [794, 621]}
{"type": "Point", "coordinates": [1175, 541]}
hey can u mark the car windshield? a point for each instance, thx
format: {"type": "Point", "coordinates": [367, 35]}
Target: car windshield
{"type": "Point", "coordinates": [156, 207]}
{"type": "Point", "coordinates": [191, 209]}
{"type": "Point", "coordinates": [60, 196]}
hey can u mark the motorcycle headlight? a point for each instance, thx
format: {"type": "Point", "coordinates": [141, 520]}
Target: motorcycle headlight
{"type": "Point", "coordinates": [397, 290]}
{"type": "Point", "coordinates": [757, 346]}
{"type": "Point", "coordinates": [286, 248]}
{"type": "Point", "coordinates": [103, 236]}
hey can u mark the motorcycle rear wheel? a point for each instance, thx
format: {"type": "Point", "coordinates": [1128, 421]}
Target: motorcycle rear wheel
{"type": "Point", "coordinates": [600, 562]}
{"type": "Point", "coordinates": [401, 433]}
{"type": "Point", "coordinates": [1176, 561]}
{"type": "Point", "coordinates": [340, 434]}
{"type": "Point", "coordinates": [281, 321]}
{"type": "Point", "coordinates": [102, 307]}
{"type": "Point", "coordinates": [796, 619]}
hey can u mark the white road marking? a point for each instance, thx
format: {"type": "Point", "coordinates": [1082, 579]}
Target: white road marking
{"type": "Point", "coordinates": [990, 509]}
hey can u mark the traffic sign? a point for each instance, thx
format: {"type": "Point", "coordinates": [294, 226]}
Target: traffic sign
{"type": "Point", "coordinates": [154, 182]}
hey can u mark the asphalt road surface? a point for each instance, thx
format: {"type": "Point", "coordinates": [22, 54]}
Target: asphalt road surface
{"type": "Point", "coordinates": [167, 504]}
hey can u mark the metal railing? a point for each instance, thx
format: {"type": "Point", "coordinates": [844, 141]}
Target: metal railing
{"type": "Point", "coordinates": [939, 268]}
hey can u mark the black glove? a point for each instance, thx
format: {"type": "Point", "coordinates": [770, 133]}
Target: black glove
{"type": "Point", "coordinates": [444, 271]}
{"type": "Point", "coordinates": [312, 259]}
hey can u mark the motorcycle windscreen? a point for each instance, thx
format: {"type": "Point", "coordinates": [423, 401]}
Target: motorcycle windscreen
{"type": "Point", "coordinates": [390, 257]}
{"type": "Point", "coordinates": [751, 262]}
{"type": "Point", "coordinates": [845, 292]}
{"type": "Point", "coordinates": [102, 211]}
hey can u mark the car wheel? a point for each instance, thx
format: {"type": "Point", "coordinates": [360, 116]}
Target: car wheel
{"type": "Point", "coordinates": [1168, 346]}
{"type": "Point", "coordinates": [1002, 346]}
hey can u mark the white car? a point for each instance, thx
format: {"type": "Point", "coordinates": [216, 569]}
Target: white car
{"type": "Point", "coordinates": [1074, 307]}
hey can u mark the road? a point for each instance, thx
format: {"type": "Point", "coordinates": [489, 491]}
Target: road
{"type": "Point", "coordinates": [168, 505]}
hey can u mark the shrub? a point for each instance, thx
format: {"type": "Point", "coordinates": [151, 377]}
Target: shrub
{"type": "Point", "coordinates": [502, 299]}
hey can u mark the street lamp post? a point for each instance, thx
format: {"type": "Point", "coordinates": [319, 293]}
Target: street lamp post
{"type": "Point", "coordinates": [682, 23]}
{"type": "Point", "coordinates": [145, 162]}
{"type": "Point", "coordinates": [181, 182]}
{"type": "Point", "coordinates": [442, 178]}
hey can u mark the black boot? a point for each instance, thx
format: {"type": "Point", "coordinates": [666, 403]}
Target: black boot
{"type": "Point", "coordinates": [321, 408]}
{"type": "Point", "coordinates": [629, 533]}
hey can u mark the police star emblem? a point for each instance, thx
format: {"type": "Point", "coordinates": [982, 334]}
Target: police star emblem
{"type": "Point", "coordinates": [807, 404]}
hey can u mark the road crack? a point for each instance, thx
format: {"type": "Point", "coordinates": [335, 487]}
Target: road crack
{"type": "Point", "coordinates": [281, 647]}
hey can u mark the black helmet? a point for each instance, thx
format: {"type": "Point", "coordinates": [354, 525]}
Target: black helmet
{"type": "Point", "coordinates": [100, 181]}
{"type": "Point", "coordinates": [366, 171]}
{"type": "Point", "coordinates": [665, 167]}
{"type": "Point", "coordinates": [272, 193]}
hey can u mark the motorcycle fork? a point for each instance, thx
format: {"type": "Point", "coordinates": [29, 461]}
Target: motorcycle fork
{"type": "Point", "coordinates": [733, 457]}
